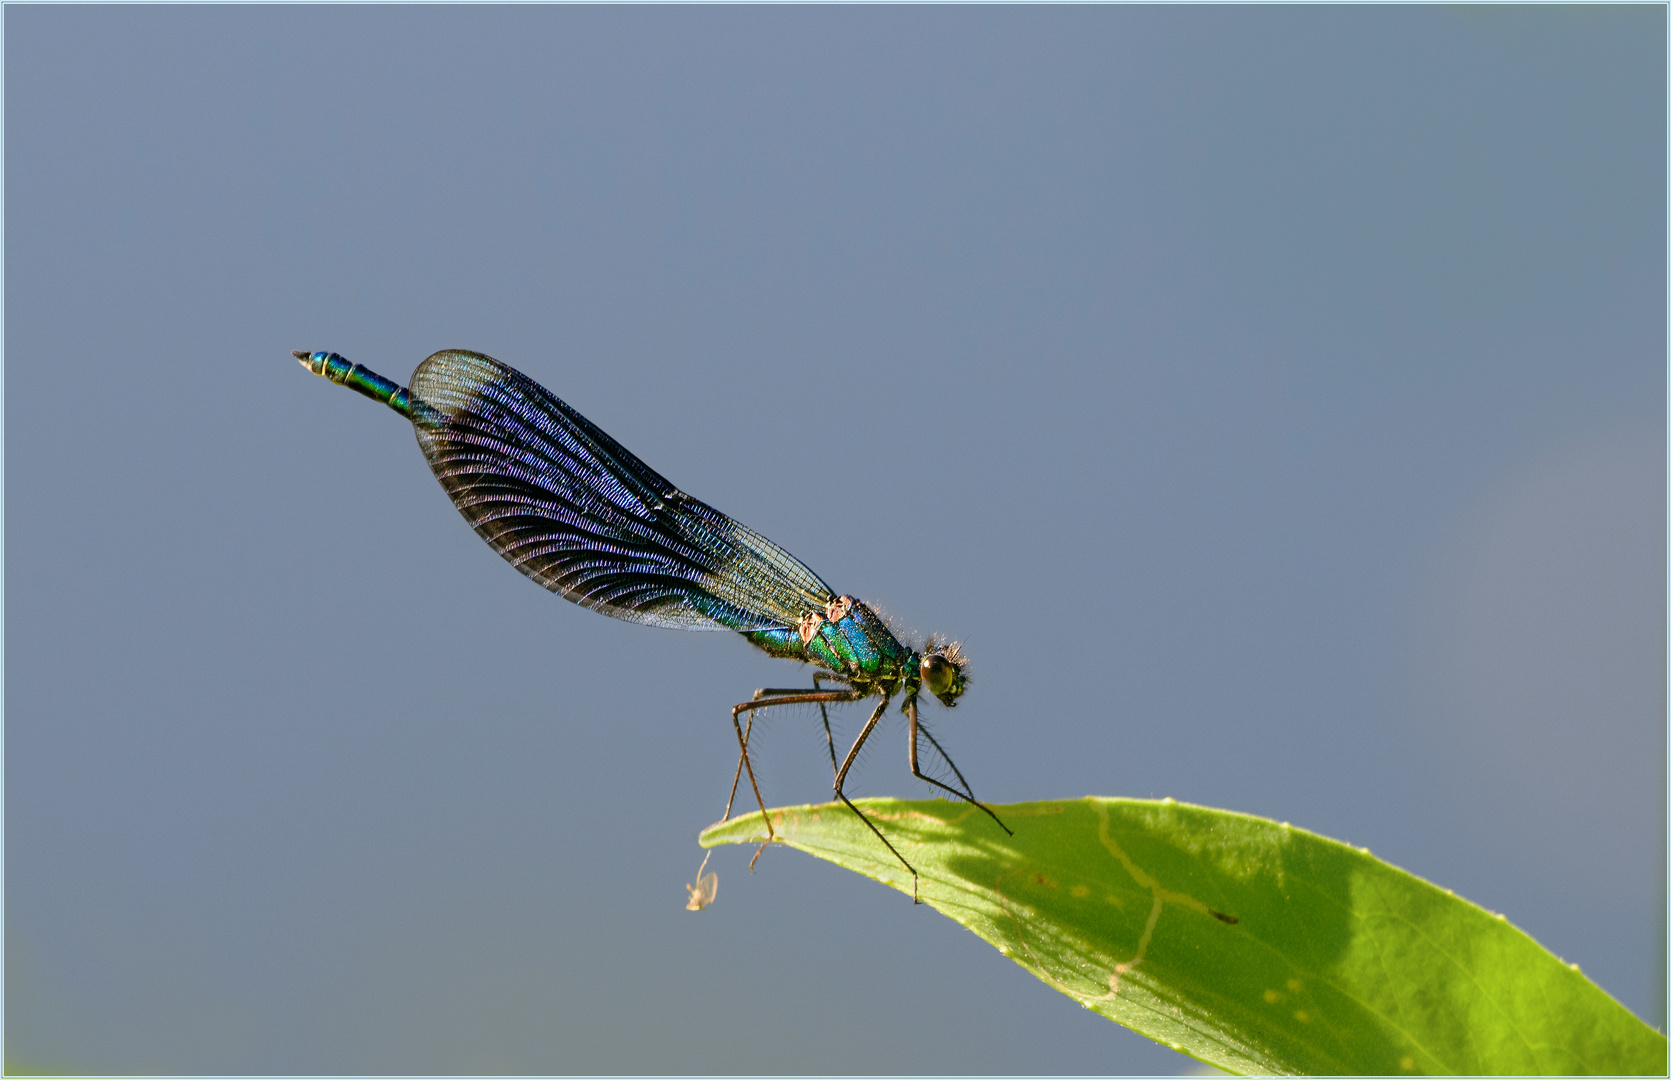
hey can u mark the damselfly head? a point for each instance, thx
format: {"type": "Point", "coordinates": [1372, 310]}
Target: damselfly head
{"type": "Point", "coordinates": [945, 670]}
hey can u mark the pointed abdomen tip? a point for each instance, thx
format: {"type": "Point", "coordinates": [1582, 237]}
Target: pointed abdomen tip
{"type": "Point", "coordinates": [301, 357]}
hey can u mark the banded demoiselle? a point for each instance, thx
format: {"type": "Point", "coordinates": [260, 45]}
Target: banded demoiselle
{"type": "Point", "coordinates": [575, 511]}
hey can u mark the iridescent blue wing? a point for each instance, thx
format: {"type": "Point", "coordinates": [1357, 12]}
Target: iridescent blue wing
{"type": "Point", "coordinates": [573, 509]}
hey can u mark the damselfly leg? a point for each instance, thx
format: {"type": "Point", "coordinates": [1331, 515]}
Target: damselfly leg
{"type": "Point", "coordinates": [841, 778]}
{"type": "Point", "coordinates": [824, 714]}
{"type": "Point", "coordinates": [765, 699]}
{"type": "Point", "coordinates": [968, 793]}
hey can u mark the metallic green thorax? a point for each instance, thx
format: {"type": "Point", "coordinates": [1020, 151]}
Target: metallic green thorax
{"type": "Point", "coordinates": [854, 644]}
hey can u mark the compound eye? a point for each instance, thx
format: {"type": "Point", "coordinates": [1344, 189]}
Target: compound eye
{"type": "Point", "coordinates": [938, 675]}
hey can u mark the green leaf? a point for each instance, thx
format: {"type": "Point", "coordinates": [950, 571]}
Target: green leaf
{"type": "Point", "coordinates": [1247, 944]}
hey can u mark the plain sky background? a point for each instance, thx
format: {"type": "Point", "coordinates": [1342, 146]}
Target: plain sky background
{"type": "Point", "coordinates": [1273, 398]}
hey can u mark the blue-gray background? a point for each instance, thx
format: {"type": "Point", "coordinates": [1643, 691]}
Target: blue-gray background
{"type": "Point", "coordinates": [1274, 397]}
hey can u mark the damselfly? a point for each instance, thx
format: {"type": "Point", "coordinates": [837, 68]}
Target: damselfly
{"type": "Point", "coordinates": [575, 511]}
